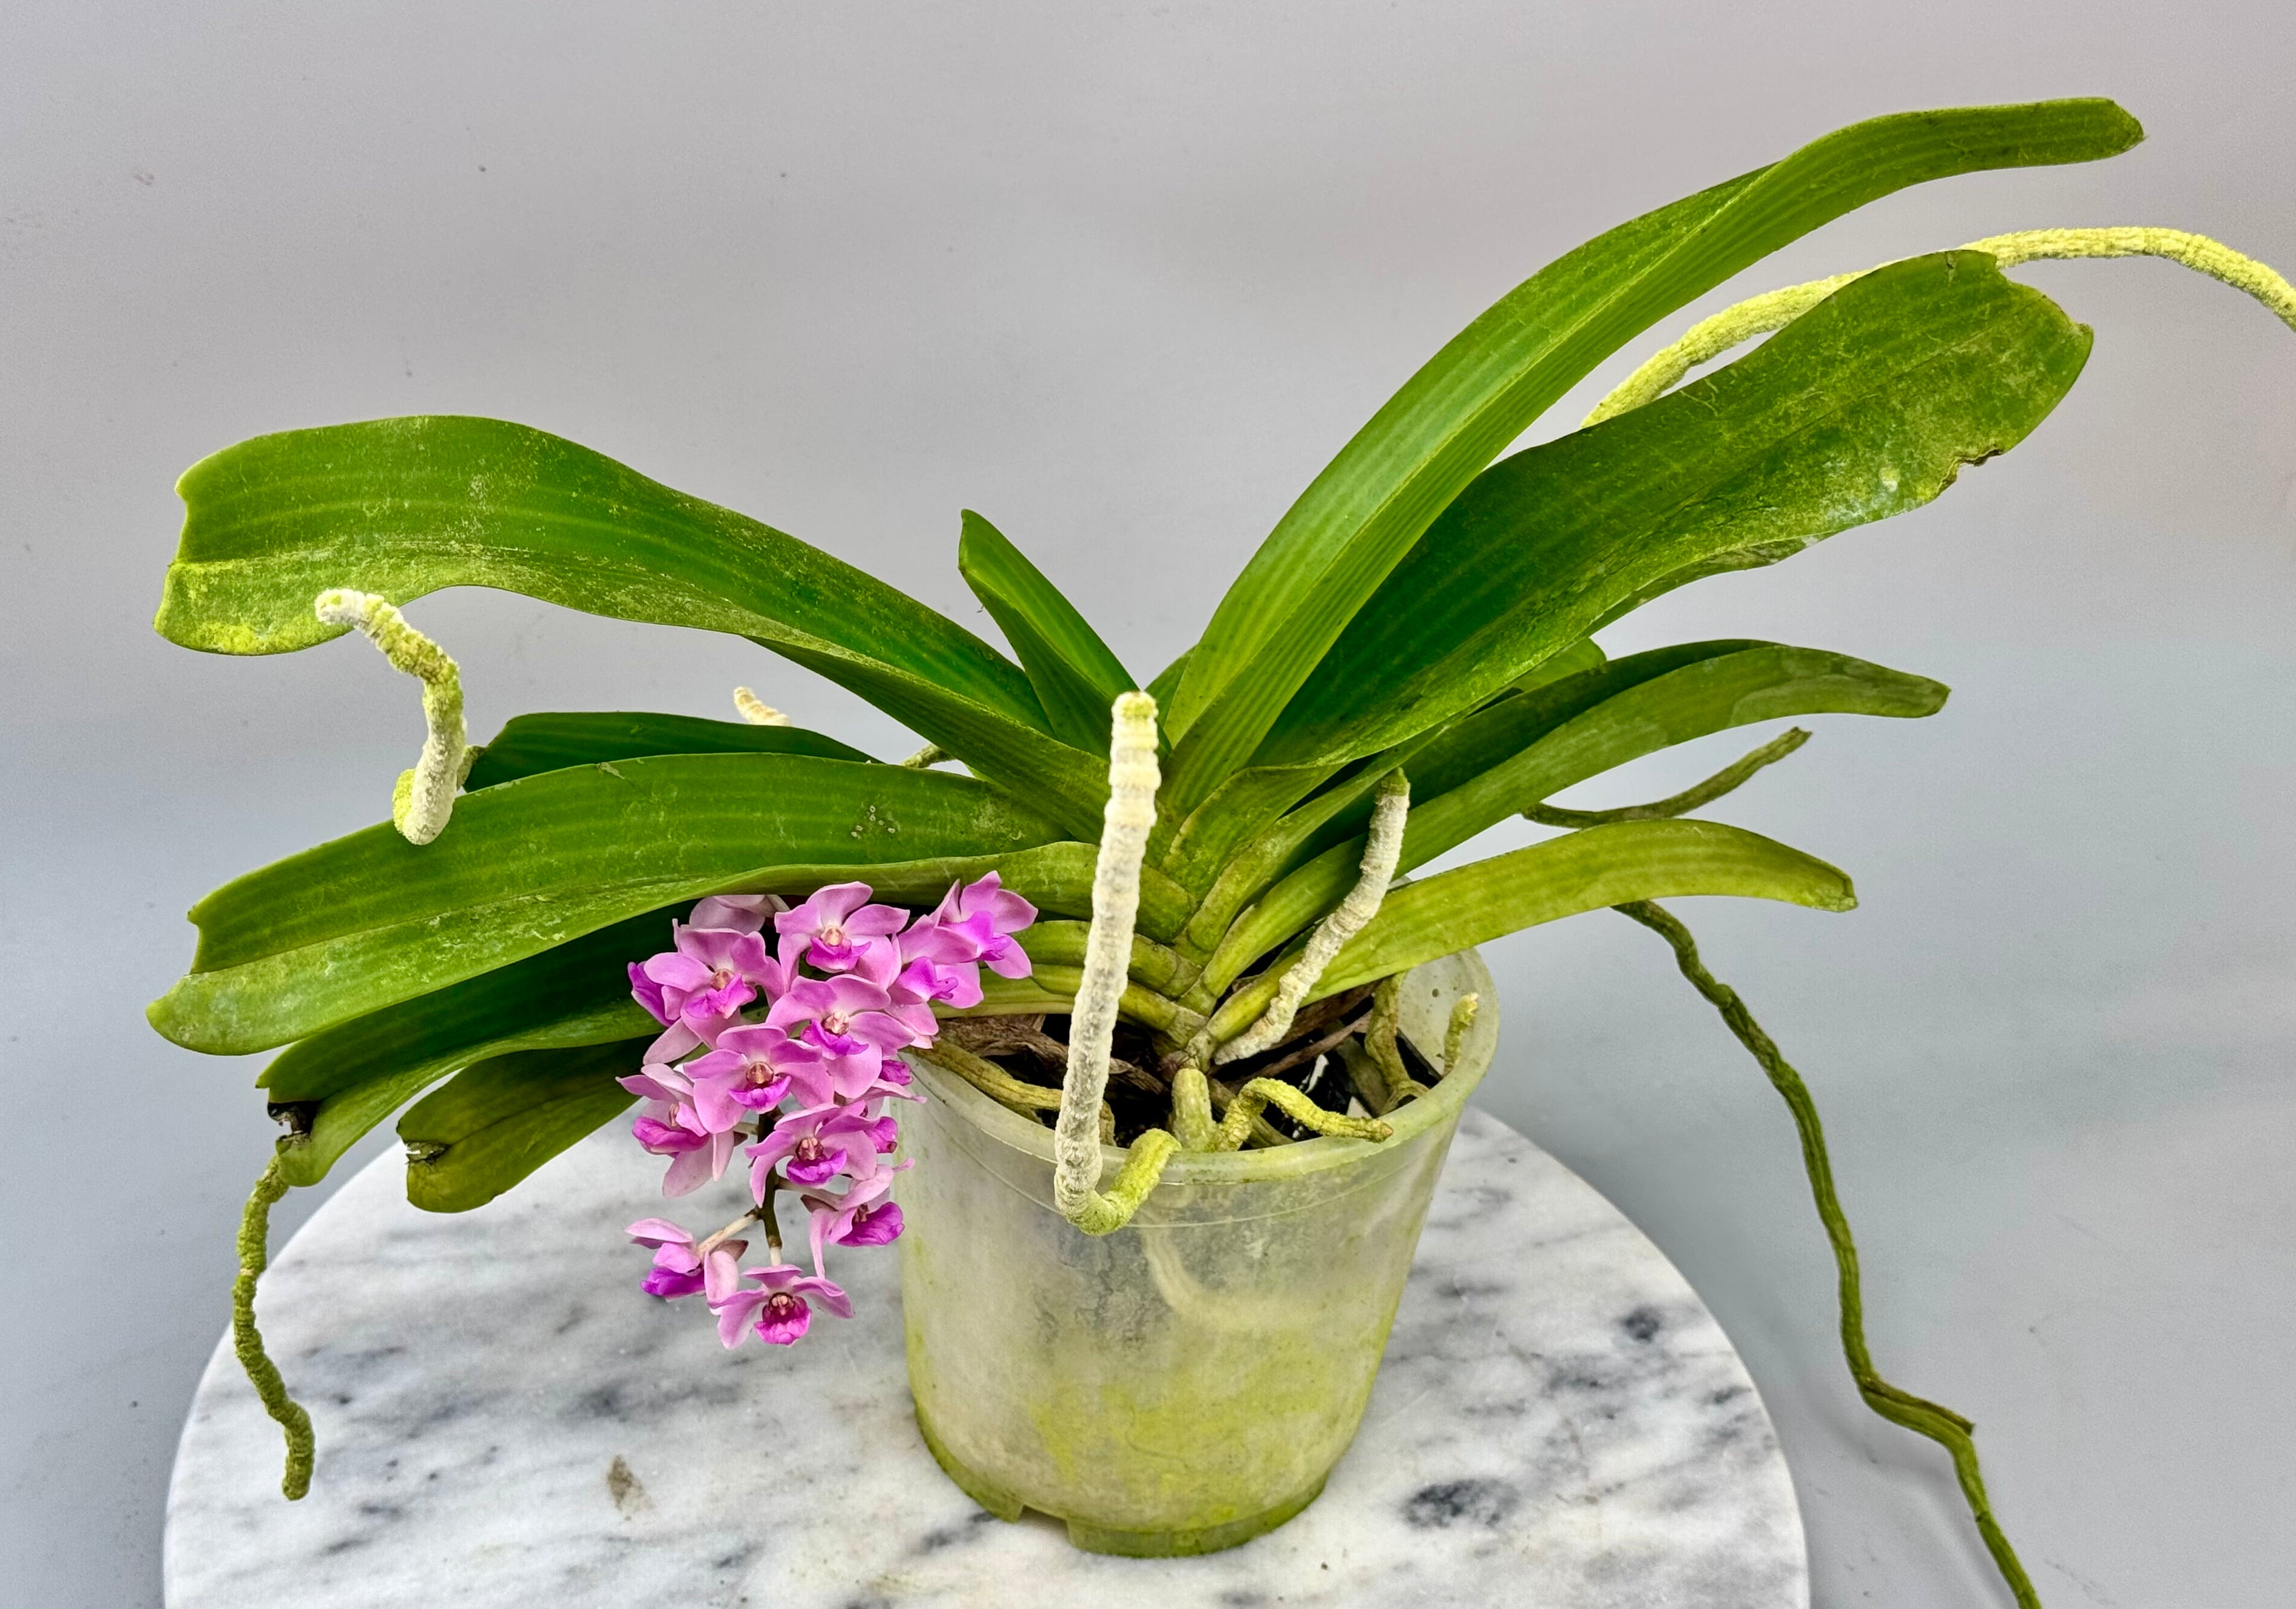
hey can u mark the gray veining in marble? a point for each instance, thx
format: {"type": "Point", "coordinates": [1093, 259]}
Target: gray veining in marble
{"type": "Point", "coordinates": [504, 1419]}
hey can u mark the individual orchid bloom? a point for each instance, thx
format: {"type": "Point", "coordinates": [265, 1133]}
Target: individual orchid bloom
{"type": "Point", "coordinates": [854, 1023]}
{"type": "Point", "coordinates": [681, 1269]}
{"type": "Point", "coordinates": [846, 1013]}
{"type": "Point", "coordinates": [698, 988]}
{"type": "Point", "coordinates": [670, 1126]}
{"type": "Point", "coordinates": [860, 1217]}
{"type": "Point", "coordinates": [751, 1071]}
{"type": "Point", "coordinates": [988, 914]}
{"type": "Point", "coordinates": [741, 913]}
{"type": "Point", "coordinates": [668, 1093]}
{"type": "Point", "coordinates": [833, 926]}
{"type": "Point", "coordinates": [815, 1145]}
{"type": "Point", "coordinates": [774, 1309]}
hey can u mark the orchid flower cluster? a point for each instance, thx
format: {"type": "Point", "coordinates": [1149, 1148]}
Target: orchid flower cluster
{"type": "Point", "coordinates": [798, 1051]}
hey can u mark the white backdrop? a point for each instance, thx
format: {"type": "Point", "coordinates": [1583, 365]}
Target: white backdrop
{"type": "Point", "coordinates": [1121, 277]}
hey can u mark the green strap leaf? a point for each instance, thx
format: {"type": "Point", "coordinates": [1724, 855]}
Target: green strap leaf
{"type": "Point", "coordinates": [1061, 944]}
{"type": "Point", "coordinates": [496, 1121]}
{"type": "Point", "coordinates": [1076, 677]}
{"type": "Point", "coordinates": [368, 920]}
{"type": "Point", "coordinates": [1580, 872]}
{"type": "Point", "coordinates": [1866, 406]}
{"type": "Point", "coordinates": [1567, 733]}
{"type": "Point", "coordinates": [336, 1086]}
{"type": "Point", "coordinates": [529, 745]}
{"type": "Point", "coordinates": [1210, 852]}
{"type": "Point", "coordinates": [1441, 759]}
{"type": "Point", "coordinates": [1507, 725]}
{"type": "Point", "coordinates": [1756, 683]}
{"type": "Point", "coordinates": [1248, 802]}
{"type": "Point", "coordinates": [1331, 551]}
{"type": "Point", "coordinates": [402, 507]}
{"type": "Point", "coordinates": [1166, 684]}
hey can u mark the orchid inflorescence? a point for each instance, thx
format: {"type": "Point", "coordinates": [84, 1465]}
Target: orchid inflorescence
{"type": "Point", "coordinates": [797, 1050]}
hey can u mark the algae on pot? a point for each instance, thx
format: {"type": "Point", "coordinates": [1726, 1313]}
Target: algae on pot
{"type": "Point", "coordinates": [1189, 1383]}
{"type": "Point", "coordinates": [1193, 891]}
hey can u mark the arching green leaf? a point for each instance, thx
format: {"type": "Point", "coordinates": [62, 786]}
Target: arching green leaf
{"type": "Point", "coordinates": [1866, 406]}
{"type": "Point", "coordinates": [403, 507]}
{"type": "Point", "coordinates": [368, 920]}
{"type": "Point", "coordinates": [1076, 677]}
{"type": "Point", "coordinates": [1578, 871]}
{"type": "Point", "coordinates": [336, 1086]}
{"type": "Point", "coordinates": [554, 740]}
{"type": "Point", "coordinates": [498, 1121]}
{"type": "Point", "coordinates": [1363, 513]}
{"type": "Point", "coordinates": [1516, 752]}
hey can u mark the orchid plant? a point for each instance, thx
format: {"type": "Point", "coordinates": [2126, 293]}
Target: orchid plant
{"type": "Point", "coordinates": [1406, 661]}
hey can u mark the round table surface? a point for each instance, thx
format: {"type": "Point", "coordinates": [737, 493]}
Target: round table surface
{"type": "Point", "coordinates": [504, 1419]}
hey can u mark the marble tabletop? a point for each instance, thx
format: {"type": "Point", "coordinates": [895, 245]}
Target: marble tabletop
{"type": "Point", "coordinates": [504, 1419]}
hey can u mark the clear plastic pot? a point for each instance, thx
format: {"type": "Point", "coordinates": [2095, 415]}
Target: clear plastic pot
{"type": "Point", "coordinates": [1187, 1382]}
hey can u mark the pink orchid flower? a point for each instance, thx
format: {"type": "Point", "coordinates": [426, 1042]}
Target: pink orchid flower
{"type": "Point", "coordinates": [679, 1267]}
{"type": "Point", "coordinates": [668, 1125]}
{"type": "Point", "coordinates": [834, 926]}
{"type": "Point", "coordinates": [860, 1217]}
{"type": "Point", "coordinates": [751, 1071]}
{"type": "Point", "coordinates": [776, 1309]}
{"type": "Point", "coordinates": [815, 1145]}
{"type": "Point", "coordinates": [853, 1022]}
{"type": "Point", "coordinates": [988, 915]}
{"type": "Point", "coordinates": [698, 988]}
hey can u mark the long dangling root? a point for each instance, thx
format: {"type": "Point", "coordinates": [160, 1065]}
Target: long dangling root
{"type": "Point", "coordinates": [247, 1341]}
{"type": "Point", "coordinates": [1710, 337]}
{"type": "Point", "coordinates": [1939, 1423]}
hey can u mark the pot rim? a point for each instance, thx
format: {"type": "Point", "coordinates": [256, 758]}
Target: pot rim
{"type": "Point", "coordinates": [1439, 1106]}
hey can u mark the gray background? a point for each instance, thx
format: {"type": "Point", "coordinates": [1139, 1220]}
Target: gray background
{"type": "Point", "coordinates": [1122, 276]}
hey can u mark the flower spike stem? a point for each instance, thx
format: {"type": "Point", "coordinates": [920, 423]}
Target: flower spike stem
{"type": "Point", "coordinates": [1382, 847]}
{"type": "Point", "coordinates": [1939, 1423]}
{"type": "Point", "coordinates": [425, 795]}
{"type": "Point", "coordinates": [1133, 779]}
{"type": "Point", "coordinates": [1710, 337]}
{"type": "Point", "coordinates": [247, 1341]}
